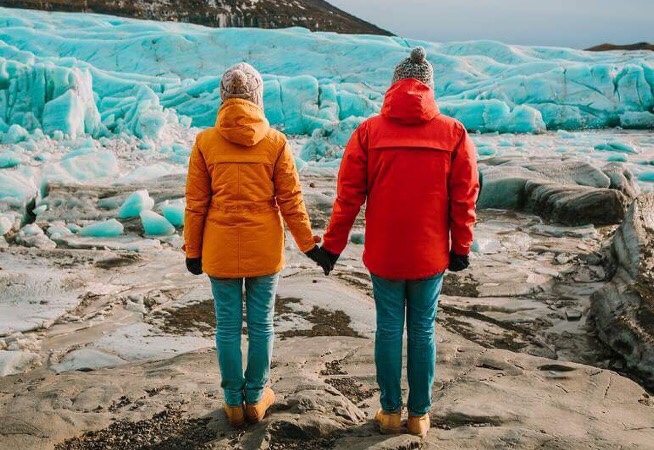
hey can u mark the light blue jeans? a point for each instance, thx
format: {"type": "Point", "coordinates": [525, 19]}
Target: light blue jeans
{"type": "Point", "coordinates": [260, 306]}
{"type": "Point", "coordinates": [417, 300]}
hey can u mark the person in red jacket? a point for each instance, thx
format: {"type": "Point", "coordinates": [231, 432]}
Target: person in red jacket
{"type": "Point", "coordinates": [416, 170]}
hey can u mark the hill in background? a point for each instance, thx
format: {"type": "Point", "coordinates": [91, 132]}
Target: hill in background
{"type": "Point", "coordinates": [630, 47]}
{"type": "Point", "coordinates": [316, 15]}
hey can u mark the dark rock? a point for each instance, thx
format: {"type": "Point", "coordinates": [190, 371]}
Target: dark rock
{"type": "Point", "coordinates": [623, 310]}
{"type": "Point", "coordinates": [622, 179]}
{"type": "Point", "coordinates": [569, 192]}
{"type": "Point", "coordinates": [575, 205]}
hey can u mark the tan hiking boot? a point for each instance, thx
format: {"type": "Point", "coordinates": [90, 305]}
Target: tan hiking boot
{"type": "Point", "coordinates": [418, 425]}
{"type": "Point", "coordinates": [256, 413]}
{"type": "Point", "coordinates": [389, 423]}
{"type": "Point", "coordinates": [235, 415]}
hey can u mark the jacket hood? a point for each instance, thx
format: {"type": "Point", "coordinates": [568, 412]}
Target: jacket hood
{"type": "Point", "coordinates": [411, 102]}
{"type": "Point", "coordinates": [242, 122]}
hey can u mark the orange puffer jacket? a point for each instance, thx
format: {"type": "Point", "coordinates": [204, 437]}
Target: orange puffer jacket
{"type": "Point", "coordinates": [242, 181]}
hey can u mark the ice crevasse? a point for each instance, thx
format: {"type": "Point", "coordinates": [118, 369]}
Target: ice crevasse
{"type": "Point", "coordinates": [72, 75]}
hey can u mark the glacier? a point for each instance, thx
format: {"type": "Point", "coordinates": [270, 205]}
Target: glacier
{"type": "Point", "coordinates": [88, 99]}
{"type": "Point", "coordinates": [83, 74]}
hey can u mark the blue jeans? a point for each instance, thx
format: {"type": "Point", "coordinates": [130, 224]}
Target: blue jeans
{"type": "Point", "coordinates": [417, 300]}
{"type": "Point", "coordinates": [260, 305]}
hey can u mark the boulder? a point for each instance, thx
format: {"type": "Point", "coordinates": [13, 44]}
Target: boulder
{"type": "Point", "coordinates": [569, 192]}
{"type": "Point", "coordinates": [622, 179]}
{"type": "Point", "coordinates": [575, 205]}
{"type": "Point", "coordinates": [623, 310]}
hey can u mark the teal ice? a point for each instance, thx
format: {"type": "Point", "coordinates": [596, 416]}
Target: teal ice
{"type": "Point", "coordinates": [155, 225]}
{"type": "Point", "coordinates": [134, 204]}
{"type": "Point", "coordinates": [174, 213]}
{"type": "Point", "coordinates": [103, 229]}
{"type": "Point", "coordinates": [59, 72]}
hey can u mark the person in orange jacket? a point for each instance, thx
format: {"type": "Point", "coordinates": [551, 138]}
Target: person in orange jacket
{"type": "Point", "coordinates": [242, 182]}
{"type": "Point", "coordinates": [416, 169]}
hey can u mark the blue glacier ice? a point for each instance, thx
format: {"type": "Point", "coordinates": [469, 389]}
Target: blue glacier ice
{"type": "Point", "coordinates": [156, 225]}
{"type": "Point", "coordinates": [81, 165]}
{"type": "Point", "coordinates": [71, 75]}
{"type": "Point", "coordinates": [174, 213]}
{"type": "Point", "coordinates": [134, 204]}
{"type": "Point", "coordinates": [106, 228]}
{"type": "Point", "coordinates": [9, 159]}
{"type": "Point", "coordinates": [17, 186]}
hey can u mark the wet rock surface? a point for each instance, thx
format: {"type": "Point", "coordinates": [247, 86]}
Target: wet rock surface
{"type": "Point", "coordinates": [124, 357]}
{"type": "Point", "coordinates": [568, 192]}
{"type": "Point", "coordinates": [623, 309]}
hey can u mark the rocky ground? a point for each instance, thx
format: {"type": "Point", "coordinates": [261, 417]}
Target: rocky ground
{"type": "Point", "coordinates": [105, 347]}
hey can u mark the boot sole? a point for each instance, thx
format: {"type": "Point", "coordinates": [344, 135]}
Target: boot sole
{"type": "Point", "coordinates": [389, 430]}
{"type": "Point", "coordinates": [421, 435]}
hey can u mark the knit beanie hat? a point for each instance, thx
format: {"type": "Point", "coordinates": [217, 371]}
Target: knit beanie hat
{"type": "Point", "coordinates": [415, 66]}
{"type": "Point", "coordinates": [242, 81]}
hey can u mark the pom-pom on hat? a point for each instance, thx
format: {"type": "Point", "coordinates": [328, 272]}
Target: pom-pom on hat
{"type": "Point", "coordinates": [417, 67]}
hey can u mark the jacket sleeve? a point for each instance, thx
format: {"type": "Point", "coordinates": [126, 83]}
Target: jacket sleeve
{"type": "Point", "coordinates": [289, 198]}
{"type": "Point", "coordinates": [351, 194]}
{"type": "Point", "coordinates": [463, 187]}
{"type": "Point", "coordinates": [198, 199]}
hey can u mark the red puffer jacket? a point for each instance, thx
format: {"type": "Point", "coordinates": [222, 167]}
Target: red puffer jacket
{"type": "Point", "coordinates": [417, 170]}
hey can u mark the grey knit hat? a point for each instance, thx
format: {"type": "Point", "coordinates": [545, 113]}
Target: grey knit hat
{"type": "Point", "coordinates": [415, 66]}
{"type": "Point", "coordinates": [242, 81]}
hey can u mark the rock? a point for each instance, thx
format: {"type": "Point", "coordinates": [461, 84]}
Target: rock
{"type": "Point", "coordinates": [572, 173]}
{"type": "Point", "coordinates": [581, 232]}
{"type": "Point", "coordinates": [573, 314]}
{"type": "Point", "coordinates": [575, 205]}
{"type": "Point", "coordinates": [14, 362]}
{"type": "Point", "coordinates": [483, 398]}
{"type": "Point", "coordinates": [85, 359]}
{"type": "Point", "coordinates": [504, 186]}
{"type": "Point", "coordinates": [563, 259]}
{"type": "Point", "coordinates": [623, 309]}
{"type": "Point", "coordinates": [33, 236]}
{"type": "Point", "coordinates": [357, 238]}
{"type": "Point", "coordinates": [126, 243]}
{"type": "Point", "coordinates": [622, 179]}
{"type": "Point", "coordinates": [569, 192]}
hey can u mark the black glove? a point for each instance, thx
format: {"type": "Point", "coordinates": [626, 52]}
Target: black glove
{"type": "Point", "coordinates": [332, 257]}
{"type": "Point", "coordinates": [458, 262]}
{"type": "Point", "coordinates": [321, 257]}
{"type": "Point", "coordinates": [194, 265]}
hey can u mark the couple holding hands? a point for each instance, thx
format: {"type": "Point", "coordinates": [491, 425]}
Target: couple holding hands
{"type": "Point", "coordinates": [415, 169]}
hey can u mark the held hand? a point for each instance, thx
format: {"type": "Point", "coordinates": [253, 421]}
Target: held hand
{"type": "Point", "coordinates": [321, 257]}
{"type": "Point", "coordinates": [458, 262]}
{"type": "Point", "coordinates": [332, 257]}
{"type": "Point", "coordinates": [194, 265]}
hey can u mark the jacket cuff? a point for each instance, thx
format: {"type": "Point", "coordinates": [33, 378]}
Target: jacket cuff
{"type": "Point", "coordinates": [460, 249]}
{"type": "Point", "coordinates": [191, 253]}
{"type": "Point", "coordinates": [333, 248]}
{"type": "Point", "coordinates": [307, 246]}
